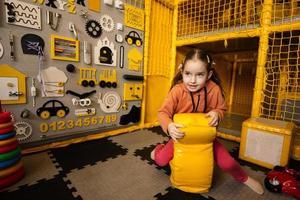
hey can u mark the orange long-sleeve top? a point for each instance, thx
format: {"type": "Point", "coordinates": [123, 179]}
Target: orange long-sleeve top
{"type": "Point", "coordinates": [181, 100]}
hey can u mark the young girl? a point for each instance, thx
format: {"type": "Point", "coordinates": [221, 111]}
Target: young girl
{"type": "Point", "coordinates": [197, 88]}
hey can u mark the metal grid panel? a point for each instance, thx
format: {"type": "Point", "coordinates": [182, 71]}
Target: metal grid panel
{"type": "Point", "coordinates": [281, 80]}
{"type": "Point", "coordinates": [200, 16]}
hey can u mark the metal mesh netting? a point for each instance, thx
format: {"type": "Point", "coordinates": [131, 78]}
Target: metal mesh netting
{"type": "Point", "coordinates": [281, 81]}
{"type": "Point", "coordinates": [200, 16]}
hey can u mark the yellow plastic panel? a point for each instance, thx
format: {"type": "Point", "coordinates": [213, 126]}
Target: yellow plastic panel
{"type": "Point", "coordinates": [193, 161]}
{"type": "Point", "coordinates": [138, 91]}
{"type": "Point", "coordinates": [134, 17]}
{"type": "Point", "coordinates": [94, 5]}
{"type": "Point", "coordinates": [134, 59]}
{"type": "Point", "coordinates": [8, 71]}
{"type": "Point", "coordinates": [128, 92]}
{"type": "Point", "coordinates": [133, 91]}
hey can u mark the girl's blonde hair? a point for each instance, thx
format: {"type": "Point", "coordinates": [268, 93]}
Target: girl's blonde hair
{"type": "Point", "coordinates": [203, 57]}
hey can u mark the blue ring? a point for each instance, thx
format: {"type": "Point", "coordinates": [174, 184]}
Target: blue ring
{"type": "Point", "coordinates": [10, 162]}
{"type": "Point", "coordinates": [7, 135]}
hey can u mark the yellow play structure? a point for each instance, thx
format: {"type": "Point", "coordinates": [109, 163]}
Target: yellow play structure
{"type": "Point", "coordinates": [255, 45]}
{"type": "Point", "coordinates": [256, 49]}
{"type": "Point", "coordinates": [193, 152]}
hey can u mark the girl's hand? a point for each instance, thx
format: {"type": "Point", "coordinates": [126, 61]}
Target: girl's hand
{"type": "Point", "coordinates": [214, 118]}
{"type": "Point", "coordinates": [174, 131]}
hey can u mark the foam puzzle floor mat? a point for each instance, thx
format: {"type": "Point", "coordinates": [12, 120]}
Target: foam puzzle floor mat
{"type": "Point", "coordinates": [120, 168]}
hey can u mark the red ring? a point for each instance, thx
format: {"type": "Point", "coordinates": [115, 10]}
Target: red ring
{"type": "Point", "coordinates": [10, 180]}
{"type": "Point", "coordinates": [7, 129]}
{"type": "Point", "coordinates": [9, 147]}
{"type": "Point", "coordinates": [5, 117]}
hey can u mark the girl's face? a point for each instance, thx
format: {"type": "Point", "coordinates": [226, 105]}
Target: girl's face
{"type": "Point", "coordinates": [195, 75]}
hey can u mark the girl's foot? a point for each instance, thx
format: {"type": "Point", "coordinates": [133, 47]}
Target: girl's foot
{"type": "Point", "coordinates": [254, 185]}
{"type": "Point", "coordinates": [152, 155]}
{"type": "Point", "coordinates": [155, 150]}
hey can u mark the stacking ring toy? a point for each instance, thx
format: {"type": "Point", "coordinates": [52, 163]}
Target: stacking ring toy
{"type": "Point", "coordinates": [8, 163]}
{"type": "Point", "coordinates": [10, 155]}
{"type": "Point", "coordinates": [9, 147]}
{"type": "Point", "coordinates": [7, 135]}
{"type": "Point", "coordinates": [6, 130]}
{"type": "Point", "coordinates": [7, 124]}
{"type": "Point", "coordinates": [6, 142]}
{"type": "Point", "coordinates": [5, 117]}
{"type": "Point", "coordinates": [9, 180]}
{"type": "Point", "coordinates": [10, 170]}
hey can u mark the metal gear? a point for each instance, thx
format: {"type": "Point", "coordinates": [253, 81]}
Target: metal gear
{"type": "Point", "coordinates": [23, 130]}
{"type": "Point", "coordinates": [93, 28]}
{"type": "Point", "coordinates": [107, 23]}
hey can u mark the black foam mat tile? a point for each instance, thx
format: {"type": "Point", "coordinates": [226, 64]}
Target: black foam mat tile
{"type": "Point", "coordinates": [175, 194]}
{"type": "Point", "coordinates": [144, 154]}
{"type": "Point", "coordinates": [79, 155]}
{"type": "Point", "coordinates": [50, 189]}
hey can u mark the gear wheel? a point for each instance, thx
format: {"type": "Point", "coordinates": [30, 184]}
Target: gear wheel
{"type": "Point", "coordinates": [23, 130]}
{"type": "Point", "coordinates": [93, 28]}
{"type": "Point", "coordinates": [107, 23]}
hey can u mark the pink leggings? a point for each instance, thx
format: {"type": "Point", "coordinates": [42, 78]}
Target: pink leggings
{"type": "Point", "coordinates": [164, 153]}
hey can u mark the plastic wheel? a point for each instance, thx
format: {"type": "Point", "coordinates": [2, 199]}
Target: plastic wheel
{"type": "Point", "coordinates": [138, 43]}
{"type": "Point", "coordinates": [84, 83]}
{"type": "Point", "coordinates": [92, 83]}
{"type": "Point", "coordinates": [129, 41]}
{"type": "Point", "coordinates": [102, 84]}
{"type": "Point", "coordinates": [45, 114]}
{"type": "Point", "coordinates": [114, 84]}
{"type": "Point", "coordinates": [272, 185]}
{"type": "Point", "coordinates": [61, 113]}
{"type": "Point", "coordinates": [108, 84]}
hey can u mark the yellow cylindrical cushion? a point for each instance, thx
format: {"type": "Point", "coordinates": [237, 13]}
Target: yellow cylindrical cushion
{"type": "Point", "coordinates": [191, 119]}
{"type": "Point", "coordinates": [192, 163]}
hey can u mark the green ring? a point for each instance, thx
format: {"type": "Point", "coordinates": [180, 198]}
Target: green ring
{"type": "Point", "coordinates": [10, 155]}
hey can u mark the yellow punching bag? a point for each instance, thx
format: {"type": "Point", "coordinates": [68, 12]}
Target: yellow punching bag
{"type": "Point", "coordinates": [193, 160]}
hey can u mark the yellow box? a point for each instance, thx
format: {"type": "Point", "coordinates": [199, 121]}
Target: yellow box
{"type": "Point", "coordinates": [266, 142]}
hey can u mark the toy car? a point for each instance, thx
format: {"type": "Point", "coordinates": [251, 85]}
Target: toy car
{"type": "Point", "coordinates": [285, 180]}
{"type": "Point", "coordinates": [133, 38]}
{"type": "Point", "coordinates": [52, 108]}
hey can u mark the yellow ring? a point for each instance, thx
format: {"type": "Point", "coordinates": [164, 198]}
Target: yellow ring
{"type": "Point", "coordinates": [8, 171]}
{"type": "Point", "coordinates": [6, 142]}
{"type": "Point", "coordinates": [7, 124]}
